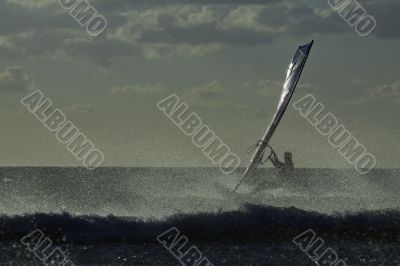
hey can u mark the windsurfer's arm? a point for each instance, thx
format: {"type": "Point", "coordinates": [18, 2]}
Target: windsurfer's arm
{"type": "Point", "coordinates": [275, 161]}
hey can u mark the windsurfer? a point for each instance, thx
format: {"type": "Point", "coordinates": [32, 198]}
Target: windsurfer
{"type": "Point", "coordinates": [285, 171]}
{"type": "Point", "coordinates": [286, 166]}
{"type": "Point", "coordinates": [292, 78]}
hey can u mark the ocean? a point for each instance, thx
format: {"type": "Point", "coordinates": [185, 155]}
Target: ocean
{"type": "Point", "coordinates": [114, 216]}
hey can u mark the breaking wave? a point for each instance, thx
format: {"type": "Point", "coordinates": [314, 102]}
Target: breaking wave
{"type": "Point", "coordinates": [251, 223]}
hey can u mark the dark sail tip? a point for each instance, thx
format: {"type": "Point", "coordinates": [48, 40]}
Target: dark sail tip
{"type": "Point", "coordinates": [305, 49]}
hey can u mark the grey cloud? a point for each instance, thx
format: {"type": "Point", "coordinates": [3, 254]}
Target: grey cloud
{"type": "Point", "coordinates": [15, 19]}
{"type": "Point", "coordinates": [209, 95]}
{"type": "Point", "coordinates": [13, 79]}
{"type": "Point", "coordinates": [387, 92]}
{"type": "Point", "coordinates": [159, 28]}
{"type": "Point", "coordinates": [204, 35]}
{"type": "Point", "coordinates": [178, 25]}
{"type": "Point", "coordinates": [85, 108]}
{"type": "Point", "coordinates": [386, 14]}
{"type": "Point", "coordinates": [137, 89]}
{"type": "Point", "coordinates": [211, 91]}
{"type": "Point", "coordinates": [124, 4]}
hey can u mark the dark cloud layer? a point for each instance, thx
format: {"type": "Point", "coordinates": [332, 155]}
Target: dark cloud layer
{"type": "Point", "coordinates": [137, 27]}
{"type": "Point", "coordinates": [123, 4]}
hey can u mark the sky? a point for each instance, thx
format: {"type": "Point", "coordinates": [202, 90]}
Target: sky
{"type": "Point", "coordinates": [227, 59]}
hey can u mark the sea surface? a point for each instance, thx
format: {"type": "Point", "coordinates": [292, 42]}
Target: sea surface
{"type": "Point", "coordinates": [112, 216]}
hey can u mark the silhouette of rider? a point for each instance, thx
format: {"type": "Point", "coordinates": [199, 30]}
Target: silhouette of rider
{"type": "Point", "coordinates": [285, 168]}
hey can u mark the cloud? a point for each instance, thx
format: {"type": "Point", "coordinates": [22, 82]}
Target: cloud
{"type": "Point", "coordinates": [272, 88]}
{"type": "Point", "coordinates": [267, 87]}
{"type": "Point", "coordinates": [31, 4]}
{"type": "Point", "coordinates": [193, 25]}
{"type": "Point", "coordinates": [386, 14]}
{"type": "Point", "coordinates": [245, 17]}
{"type": "Point", "coordinates": [384, 94]}
{"type": "Point", "coordinates": [157, 28]}
{"type": "Point", "coordinates": [137, 89]}
{"type": "Point", "coordinates": [129, 4]}
{"type": "Point", "coordinates": [212, 94]}
{"type": "Point", "coordinates": [84, 108]}
{"type": "Point", "coordinates": [13, 79]}
{"type": "Point", "coordinates": [154, 51]}
{"type": "Point", "coordinates": [255, 94]}
{"type": "Point", "coordinates": [387, 92]}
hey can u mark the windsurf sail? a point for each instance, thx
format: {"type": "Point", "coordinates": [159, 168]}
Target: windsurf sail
{"type": "Point", "coordinates": [292, 78]}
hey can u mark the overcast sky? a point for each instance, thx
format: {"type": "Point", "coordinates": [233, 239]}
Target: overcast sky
{"type": "Point", "coordinates": [226, 58]}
